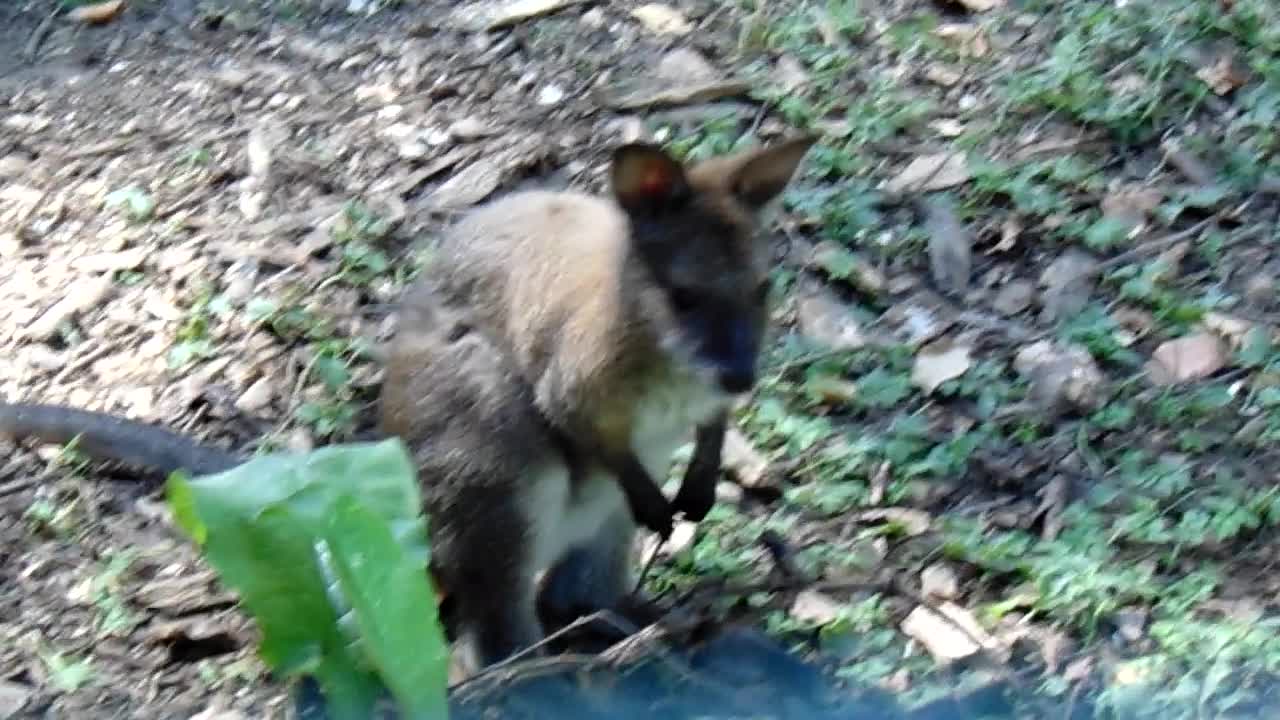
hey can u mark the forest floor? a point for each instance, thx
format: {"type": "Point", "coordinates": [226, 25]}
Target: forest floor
{"type": "Point", "coordinates": [1026, 378]}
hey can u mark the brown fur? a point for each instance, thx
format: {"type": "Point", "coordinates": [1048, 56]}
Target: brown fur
{"type": "Point", "coordinates": [549, 316]}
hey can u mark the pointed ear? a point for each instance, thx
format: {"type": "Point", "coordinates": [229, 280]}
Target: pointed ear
{"type": "Point", "coordinates": [646, 179]}
{"type": "Point", "coordinates": [762, 177]}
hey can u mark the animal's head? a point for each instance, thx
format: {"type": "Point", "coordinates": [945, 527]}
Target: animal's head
{"type": "Point", "coordinates": [697, 230]}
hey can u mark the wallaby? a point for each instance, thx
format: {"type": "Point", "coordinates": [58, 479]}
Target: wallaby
{"type": "Point", "coordinates": [632, 321]}
{"type": "Point", "coordinates": [547, 364]}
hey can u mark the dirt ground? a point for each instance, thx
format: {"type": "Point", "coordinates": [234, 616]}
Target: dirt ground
{"type": "Point", "coordinates": [179, 245]}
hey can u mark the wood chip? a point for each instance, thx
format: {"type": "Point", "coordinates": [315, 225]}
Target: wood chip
{"type": "Point", "coordinates": [650, 95]}
{"type": "Point", "coordinates": [931, 172]}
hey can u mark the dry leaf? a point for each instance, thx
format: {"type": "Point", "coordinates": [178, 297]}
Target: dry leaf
{"type": "Point", "coordinates": [1230, 328]}
{"type": "Point", "coordinates": [970, 40]}
{"type": "Point", "coordinates": [1192, 357]}
{"type": "Point", "coordinates": [943, 75]}
{"type": "Point", "coordinates": [661, 19]}
{"type": "Point", "coordinates": [684, 65]}
{"type": "Point", "coordinates": [97, 13]}
{"type": "Point", "coordinates": [831, 389]}
{"type": "Point", "coordinates": [1068, 282]}
{"type": "Point", "coordinates": [1060, 375]}
{"type": "Point", "coordinates": [826, 321]}
{"type": "Point", "coordinates": [742, 460]}
{"type": "Point", "coordinates": [931, 172]}
{"type": "Point", "coordinates": [815, 607]}
{"type": "Point", "coordinates": [939, 362]}
{"type": "Point", "coordinates": [948, 127]}
{"type": "Point", "coordinates": [1132, 205]}
{"type": "Point", "coordinates": [1014, 297]}
{"type": "Point", "coordinates": [646, 95]}
{"type": "Point", "coordinates": [468, 187]}
{"type": "Point", "coordinates": [950, 246]}
{"type": "Point", "coordinates": [790, 74]}
{"type": "Point", "coordinates": [914, 522]}
{"type": "Point", "coordinates": [517, 12]}
{"type": "Point", "coordinates": [948, 633]}
{"type": "Point", "coordinates": [1222, 76]}
{"type": "Point", "coordinates": [939, 581]}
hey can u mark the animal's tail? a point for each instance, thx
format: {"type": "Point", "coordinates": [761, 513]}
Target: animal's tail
{"type": "Point", "coordinates": [107, 437]}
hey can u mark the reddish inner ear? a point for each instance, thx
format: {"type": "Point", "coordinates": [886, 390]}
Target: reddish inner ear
{"type": "Point", "coordinates": [655, 180]}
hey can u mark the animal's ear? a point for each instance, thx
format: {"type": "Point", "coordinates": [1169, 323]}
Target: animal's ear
{"type": "Point", "coordinates": [646, 179]}
{"type": "Point", "coordinates": [763, 175]}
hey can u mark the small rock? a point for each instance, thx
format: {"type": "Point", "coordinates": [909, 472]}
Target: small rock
{"type": "Point", "coordinates": [790, 74]}
{"type": "Point", "coordinates": [1068, 282]}
{"type": "Point", "coordinates": [948, 633]}
{"type": "Point", "coordinates": [1014, 297]}
{"type": "Point", "coordinates": [23, 122]}
{"type": "Point", "coordinates": [232, 78]}
{"type": "Point", "coordinates": [939, 581]}
{"type": "Point", "coordinates": [13, 696]}
{"type": "Point", "coordinates": [1192, 357]}
{"type": "Point", "coordinates": [1260, 290]}
{"type": "Point", "coordinates": [661, 19]}
{"type": "Point", "coordinates": [824, 320]}
{"type": "Point", "coordinates": [1060, 374]}
{"type": "Point", "coordinates": [815, 607]}
{"type": "Point", "coordinates": [938, 363]}
{"type": "Point", "coordinates": [300, 441]}
{"type": "Point", "coordinates": [14, 166]}
{"type": "Point", "coordinates": [550, 95]}
{"type": "Point", "coordinates": [684, 65]}
{"type": "Point", "coordinates": [384, 93]}
{"type": "Point", "coordinates": [257, 396]}
{"type": "Point", "coordinates": [471, 128]}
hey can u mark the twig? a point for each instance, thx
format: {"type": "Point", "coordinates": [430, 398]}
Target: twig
{"type": "Point", "coordinates": [38, 36]}
{"type": "Point", "coordinates": [619, 624]}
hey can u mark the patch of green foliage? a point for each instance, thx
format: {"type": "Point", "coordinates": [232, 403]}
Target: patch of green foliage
{"type": "Point", "coordinates": [328, 552]}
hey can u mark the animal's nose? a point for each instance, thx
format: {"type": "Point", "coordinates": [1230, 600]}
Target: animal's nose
{"type": "Point", "coordinates": [737, 380]}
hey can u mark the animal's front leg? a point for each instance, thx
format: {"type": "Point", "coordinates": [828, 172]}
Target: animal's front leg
{"type": "Point", "coordinates": [698, 487]}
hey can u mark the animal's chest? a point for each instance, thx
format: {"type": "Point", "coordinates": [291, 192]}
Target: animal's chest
{"type": "Point", "coordinates": [665, 419]}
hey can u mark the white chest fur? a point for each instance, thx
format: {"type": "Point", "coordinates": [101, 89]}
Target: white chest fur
{"type": "Point", "coordinates": [664, 421]}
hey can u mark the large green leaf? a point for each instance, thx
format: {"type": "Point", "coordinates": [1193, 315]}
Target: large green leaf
{"type": "Point", "coordinates": [303, 538]}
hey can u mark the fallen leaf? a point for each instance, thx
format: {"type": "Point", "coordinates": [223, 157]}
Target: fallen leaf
{"type": "Point", "coordinates": [1014, 297]}
{"type": "Point", "coordinates": [514, 13]}
{"type": "Point", "coordinates": [633, 96]}
{"type": "Point", "coordinates": [790, 74]}
{"type": "Point", "coordinates": [815, 607]}
{"type": "Point", "coordinates": [1230, 328]}
{"type": "Point", "coordinates": [939, 582]}
{"type": "Point", "coordinates": [913, 522]}
{"type": "Point", "coordinates": [949, 633]}
{"type": "Point", "coordinates": [826, 321]}
{"type": "Point", "coordinates": [683, 65]}
{"type": "Point", "coordinates": [1068, 282]}
{"type": "Point", "coordinates": [1191, 357]}
{"type": "Point", "coordinates": [843, 264]}
{"type": "Point", "coordinates": [741, 459]}
{"type": "Point", "coordinates": [79, 297]}
{"type": "Point", "coordinates": [1222, 76]}
{"type": "Point", "coordinates": [97, 13]}
{"type": "Point", "coordinates": [661, 19]}
{"type": "Point", "coordinates": [831, 389]}
{"type": "Point", "coordinates": [931, 172]}
{"type": "Point", "coordinates": [950, 246]}
{"type": "Point", "coordinates": [1060, 376]}
{"type": "Point", "coordinates": [942, 75]}
{"type": "Point", "coordinates": [948, 127]}
{"type": "Point", "coordinates": [468, 187]}
{"type": "Point", "coordinates": [939, 362]}
{"type": "Point", "coordinates": [1190, 165]}
{"type": "Point", "coordinates": [1132, 205]}
{"type": "Point", "coordinates": [970, 40]}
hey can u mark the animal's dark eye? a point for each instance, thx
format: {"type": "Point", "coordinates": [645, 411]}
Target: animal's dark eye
{"type": "Point", "coordinates": [683, 299]}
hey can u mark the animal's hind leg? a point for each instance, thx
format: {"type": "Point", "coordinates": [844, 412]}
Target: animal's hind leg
{"type": "Point", "coordinates": [595, 575]}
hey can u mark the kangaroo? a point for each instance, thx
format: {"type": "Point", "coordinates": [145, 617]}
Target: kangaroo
{"type": "Point", "coordinates": [554, 354]}
{"type": "Point", "coordinates": [631, 322]}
